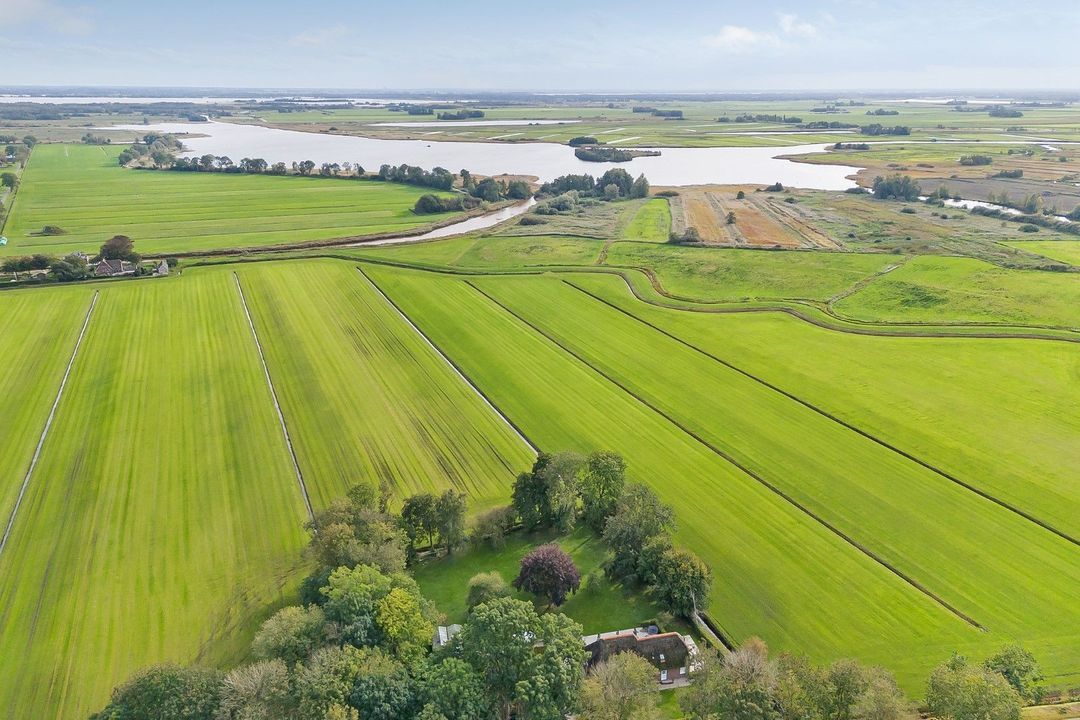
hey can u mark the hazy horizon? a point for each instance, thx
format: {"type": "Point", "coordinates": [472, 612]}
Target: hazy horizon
{"type": "Point", "coordinates": [560, 47]}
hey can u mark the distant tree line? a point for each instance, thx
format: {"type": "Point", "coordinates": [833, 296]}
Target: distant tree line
{"type": "Point", "coordinates": [1002, 111]}
{"type": "Point", "coordinates": [668, 114]}
{"type": "Point", "coordinates": [828, 125]}
{"type": "Point", "coordinates": [761, 118]}
{"type": "Point", "coordinates": [851, 146]}
{"type": "Point", "coordinates": [879, 129]}
{"type": "Point", "coordinates": [976, 159]}
{"type": "Point", "coordinates": [612, 185]}
{"type": "Point", "coordinates": [882, 111]}
{"type": "Point", "coordinates": [464, 114]}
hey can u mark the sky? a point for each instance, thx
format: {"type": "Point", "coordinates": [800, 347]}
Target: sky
{"type": "Point", "coordinates": [550, 45]}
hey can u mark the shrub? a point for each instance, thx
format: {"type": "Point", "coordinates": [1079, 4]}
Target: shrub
{"type": "Point", "coordinates": [531, 220]}
{"type": "Point", "coordinates": [53, 230]}
{"type": "Point", "coordinates": [487, 586]}
{"type": "Point", "coordinates": [582, 140]}
{"type": "Point", "coordinates": [1028, 228]}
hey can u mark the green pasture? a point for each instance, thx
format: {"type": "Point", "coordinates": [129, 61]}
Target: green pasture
{"type": "Point", "coordinates": [163, 520]}
{"type": "Point", "coordinates": [37, 331]}
{"type": "Point", "coordinates": [780, 575]}
{"type": "Point", "coordinates": [652, 223]}
{"type": "Point", "coordinates": [1066, 251]}
{"type": "Point", "coordinates": [995, 413]}
{"type": "Point", "coordinates": [497, 252]}
{"type": "Point", "coordinates": [723, 274]}
{"type": "Point", "coordinates": [945, 289]}
{"type": "Point", "coordinates": [366, 399]}
{"type": "Point", "coordinates": [82, 190]}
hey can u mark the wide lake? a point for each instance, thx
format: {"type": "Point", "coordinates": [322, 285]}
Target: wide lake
{"type": "Point", "coordinates": [674, 166]}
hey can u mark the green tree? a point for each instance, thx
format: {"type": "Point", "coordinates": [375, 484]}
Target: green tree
{"type": "Point", "coordinates": [640, 188]}
{"type": "Point", "coordinates": [621, 688]}
{"type": "Point", "coordinates": [491, 527]}
{"type": "Point", "coordinates": [8, 179]}
{"type": "Point", "coordinates": [1019, 668]}
{"type": "Point", "coordinates": [119, 247]}
{"type": "Point", "coordinates": [484, 587]}
{"type": "Point", "coordinates": [553, 688]}
{"type": "Point", "coordinates": [882, 699]}
{"type": "Point", "coordinates": [498, 643]}
{"type": "Point", "coordinates": [639, 516]}
{"type": "Point", "coordinates": [291, 634]}
{"type": "Point", "coordinates": [741, 686]}
{"type": "Point", "coordinates": [453, 690]}
{"type": "Point", "coordinates": [260, 691]}
{"type": "Point", "coordinates": [960, 691]}
{"type": "Point", "coordinates": [326, 680]}
{"type": "Point", "coordinates": [602, 481]}
{"type": "Point", "coordinates": [450, 518]}
{"type": "Point", "coordinates": [166, 692]}
{"type": "Point", "coordinates": [383, 690]}
{"type": "Point", "coordinates": [406, 633]}
{"type": "Point", "coordinates": [418, 515]}
{"type": "Point", "coordinates": [352, 595]}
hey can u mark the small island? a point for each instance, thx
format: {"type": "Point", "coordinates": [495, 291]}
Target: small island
{"type": "Point", "coordinates": [604, 153]}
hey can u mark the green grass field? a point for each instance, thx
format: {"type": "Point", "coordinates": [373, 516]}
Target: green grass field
{"type": "Point", "coordinates": [367, 400]}
{"type": "Point", "coordinates": [652, 223]}
{"type": "Point", "coordinates": [951, 386]}
{"type": "Point", "coordinates": [1067, 251]}
{"type": "Point", "coordinates": [722, 274]}
{"type": "Point", "coordinates": [784, 577]}
{"type": "Point", "coordinates": [163, 519]}
{"type": "Point", "coordinates": [82, 190]}
{"type": "Point", "coordinates": [940, 289]}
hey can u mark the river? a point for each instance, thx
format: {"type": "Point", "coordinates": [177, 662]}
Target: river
{"type": "Point", "coordinates": [674, 166]}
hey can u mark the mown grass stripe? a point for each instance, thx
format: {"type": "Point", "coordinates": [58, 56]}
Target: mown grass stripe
{"type": "Point", "coordinates": [277, 405]}
{"type": "Point", "coordinates": [48, 424]}
{"type": "Point", "coordinates": [826, 414]}
{"type": "Point", "coordinates": [746, 470]}
{"type": "Point", "coordinates": [454, 366]}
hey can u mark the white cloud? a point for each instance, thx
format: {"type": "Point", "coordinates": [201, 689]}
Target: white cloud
{"type": "Point", "coordinates": [320, 37]}
{"type": "Point", "coordinates": [55, 16]}
{"type": "Point", "coordinates": [739, 39]}
{"type": "Point", "coordinates": [791, 25]}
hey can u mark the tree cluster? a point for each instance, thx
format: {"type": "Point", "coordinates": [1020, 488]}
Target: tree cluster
{"type": "Point", "coordinates": [612, 185]}
{"type": "Point", "coordinates": [426, 516]}
{"type": "Point", "coordinates": [1002, 111]}
{"type": "Point", "coordinates": [875, 129]}
{"type": "Point", "coordinates": [896, 187]}
{"type": "Point", "coordinates": [428, 204]}
{"type": "Point", "coordinates": [851, 146]}
{"type": "Point", "coordinates": [882, 111]}
{"type": "Point", "coordinates": [747, 684]}
{"type": "Point", "coordinates": [976, 160]}
{"type": "Point", "coordinates": [155, 150]}
{"type": "Point", "coordinates": [761, 118]}
{"type": "Point", "coordinates": [463, 114]}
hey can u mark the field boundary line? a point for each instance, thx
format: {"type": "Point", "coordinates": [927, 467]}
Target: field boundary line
{"type": "Point", "coordinates": [754, 475]}
{"type": "Point", "coordinates": [836, 419]}
{"type": "Point", "coordinates": [277, 404]}
{"type": "Point", "coordinates": [48, 422]}
{"type": "Point", "coordinates": [453, 365]}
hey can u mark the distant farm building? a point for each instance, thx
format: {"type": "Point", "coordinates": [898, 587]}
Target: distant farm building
{"type": "Point", "coordinates": [114, 268]}
{"type": "Point", "coordinates": [444, 634]}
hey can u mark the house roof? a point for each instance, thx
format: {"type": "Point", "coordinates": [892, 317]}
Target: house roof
{"type": "Point", "coordinates": [665, 650]}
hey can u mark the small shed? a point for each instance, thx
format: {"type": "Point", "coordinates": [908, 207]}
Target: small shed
{"type": "Point", "coordinates": [444, 634]}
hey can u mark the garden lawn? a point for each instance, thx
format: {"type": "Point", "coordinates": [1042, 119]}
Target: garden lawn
{"type": "Point", "coordinates": [779, 574]}
{"type": "Point", "coordinates": [164, 520]}
{"type": "Point", "coordinates": [366, 399]}
{"type": "Point", "coordinates": [82, 190]}
{"type": "Point", "coordinates": [599, 605]}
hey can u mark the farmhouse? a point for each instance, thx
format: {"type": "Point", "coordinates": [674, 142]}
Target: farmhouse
{"type": "Point", "coordinates": [161, 268]}
{"type": "Point", "coordinates": [670, 653]}
{"type": "Point", "coordinates": [114, 268]}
